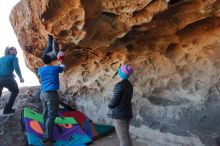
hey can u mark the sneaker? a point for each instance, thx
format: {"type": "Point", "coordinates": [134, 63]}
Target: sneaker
{"type": "Point", "coordinates": [47, 142]}
{"type": "Point", "coordinates": [8, 111]}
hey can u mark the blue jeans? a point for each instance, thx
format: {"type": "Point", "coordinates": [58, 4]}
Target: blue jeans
{"type": "Point", "coordinates": [52, 48]}
{"type": "Point", "coordinates": [50, 102]}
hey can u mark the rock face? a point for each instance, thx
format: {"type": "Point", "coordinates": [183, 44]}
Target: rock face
{"type": "Point", "coordinates": [173, 46]}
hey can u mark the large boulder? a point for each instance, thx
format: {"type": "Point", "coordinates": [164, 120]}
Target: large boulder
{"type": "Point", "coordinates": [173, 47]}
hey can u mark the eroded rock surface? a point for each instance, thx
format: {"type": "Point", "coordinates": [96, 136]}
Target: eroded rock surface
{"type": "Point", "coordinates": [174, 47]}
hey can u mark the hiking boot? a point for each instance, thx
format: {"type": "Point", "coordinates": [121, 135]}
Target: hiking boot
{"type": "Point", "coordinates": [8, 111]}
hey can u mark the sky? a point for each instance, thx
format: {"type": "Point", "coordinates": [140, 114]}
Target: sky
{"type": "Point", "coordinates": [8, 38]}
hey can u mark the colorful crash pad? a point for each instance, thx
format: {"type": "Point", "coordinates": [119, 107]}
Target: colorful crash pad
{"type": "Point", "coordinates": [66, 131]}
{"type": "Point", "coordinates": [73, 129]}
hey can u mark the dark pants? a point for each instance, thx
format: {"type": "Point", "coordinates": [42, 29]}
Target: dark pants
{"type": "Point", "coordinates": [50, 102]}
{"type": "Point", "coordinates": [12, 86]}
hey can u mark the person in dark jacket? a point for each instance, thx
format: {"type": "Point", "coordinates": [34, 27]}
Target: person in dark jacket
{"type": "Point", "coordinates": [8, 64]}
{"type": "Point", "coordinates": [120, 106]}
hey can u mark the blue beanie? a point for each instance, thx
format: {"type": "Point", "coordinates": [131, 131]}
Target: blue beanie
{"type": "Point", "coordinates": [125, 71]}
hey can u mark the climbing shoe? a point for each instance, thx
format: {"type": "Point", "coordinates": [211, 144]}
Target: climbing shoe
{"type": "Point", "coordinates": [47, 142]}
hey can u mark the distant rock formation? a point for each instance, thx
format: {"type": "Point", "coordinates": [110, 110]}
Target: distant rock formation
{"type": "Point", "coordinates": [173, 46]}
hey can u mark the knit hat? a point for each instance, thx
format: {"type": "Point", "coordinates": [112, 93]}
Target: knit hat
{"type": "Point", "coordinates": [125, 71]}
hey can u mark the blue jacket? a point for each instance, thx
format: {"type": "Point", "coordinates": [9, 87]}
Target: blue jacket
{"type": "Point", "coordinates": [8, 64]}
{"type": "Point", "coordinates": [49, 76]}
{"type": "Point", "coordinates": [120, 105]}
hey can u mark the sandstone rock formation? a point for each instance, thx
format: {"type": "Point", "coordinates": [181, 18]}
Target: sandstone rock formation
{"type": "Point", "coordinates": [173, 46]}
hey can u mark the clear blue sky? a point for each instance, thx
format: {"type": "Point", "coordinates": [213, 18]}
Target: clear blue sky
{"type": "Point", "coordinates": [8, 38]}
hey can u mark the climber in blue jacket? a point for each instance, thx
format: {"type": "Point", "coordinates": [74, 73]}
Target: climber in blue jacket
{"type": "Point", "coordinates": [49, 77]}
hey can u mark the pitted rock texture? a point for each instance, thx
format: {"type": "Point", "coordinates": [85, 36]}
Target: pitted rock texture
{"type": "Point", "coordinates": [173, 46]}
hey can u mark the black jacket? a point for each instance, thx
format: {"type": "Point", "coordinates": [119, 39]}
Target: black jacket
{"type": "Point", "coordinates": [120, 105]}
